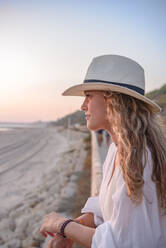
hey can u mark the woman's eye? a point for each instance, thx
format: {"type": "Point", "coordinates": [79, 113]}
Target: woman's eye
{"type": "Point", "coordinates": [88, 96]}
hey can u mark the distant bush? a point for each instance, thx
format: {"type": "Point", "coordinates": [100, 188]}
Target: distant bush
{"type": "Point", "coordinates": [155, 93]}
{"type": "Point", "coordinates": [159, 96]}
{"type": "Point", "coordinates": [162, 99]}
{"type": "Point", "coordinates": [77, 117]}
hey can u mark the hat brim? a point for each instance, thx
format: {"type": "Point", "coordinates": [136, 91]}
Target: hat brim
{"type": "Point", "coordinates": [79, 90]}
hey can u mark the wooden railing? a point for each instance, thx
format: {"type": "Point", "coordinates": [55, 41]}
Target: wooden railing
{"type": "Point", "coordinates": [96, 175]}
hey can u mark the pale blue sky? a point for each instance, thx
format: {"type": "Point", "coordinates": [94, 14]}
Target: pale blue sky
{"type": "Point", "coordinates": [46, 46]}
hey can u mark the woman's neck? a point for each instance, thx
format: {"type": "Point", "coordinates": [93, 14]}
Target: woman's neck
{"type": "Point", "coordinates": [113, 137]}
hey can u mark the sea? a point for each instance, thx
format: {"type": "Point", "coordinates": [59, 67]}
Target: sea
{"type": "Point", "coordinates": [8, 126]}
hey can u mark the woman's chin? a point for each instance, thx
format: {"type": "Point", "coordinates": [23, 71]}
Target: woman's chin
{"type": "Point", "coordinates": [92, 127]}
{"type": "Point", "coordinates": [89, 126]}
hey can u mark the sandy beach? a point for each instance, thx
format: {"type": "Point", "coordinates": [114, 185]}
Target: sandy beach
{"type": "Point", "coordinates": [39, 168]}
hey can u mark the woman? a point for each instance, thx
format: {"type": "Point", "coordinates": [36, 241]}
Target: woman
{"type": "Point", "coordinates": [130, 209]}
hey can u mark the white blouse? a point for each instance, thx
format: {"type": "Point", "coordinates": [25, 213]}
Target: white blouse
{"type": "Point", "coordinates": [121, 223]}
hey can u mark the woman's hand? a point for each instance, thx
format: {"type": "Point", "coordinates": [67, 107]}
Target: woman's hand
{"type": "Point", "coordinates": [59, 242]}
{"type": "Point", "coordinates": [51, 224]}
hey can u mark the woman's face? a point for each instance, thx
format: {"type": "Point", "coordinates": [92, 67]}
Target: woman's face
{"type": "Point", "coordinates": [94, 107]}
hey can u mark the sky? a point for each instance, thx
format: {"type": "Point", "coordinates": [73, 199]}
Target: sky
{"type": "Point", "coordinates": [47, 46]}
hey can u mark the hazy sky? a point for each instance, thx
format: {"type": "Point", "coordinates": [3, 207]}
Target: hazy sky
{"type": "Point", "coordinates": [46, 46]}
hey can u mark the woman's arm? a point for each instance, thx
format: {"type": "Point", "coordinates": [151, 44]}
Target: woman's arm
{"type": "Point", "coordinates": [86, 219]}
{"type": "Point", "coordinates": [79, 233]}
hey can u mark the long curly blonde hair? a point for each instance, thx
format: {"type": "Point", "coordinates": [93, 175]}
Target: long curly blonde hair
{"type": "Point", "coordinates": [137, 128]}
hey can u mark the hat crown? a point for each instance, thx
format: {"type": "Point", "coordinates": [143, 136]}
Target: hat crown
{"type": "Point", "coordinates": [115, 68]}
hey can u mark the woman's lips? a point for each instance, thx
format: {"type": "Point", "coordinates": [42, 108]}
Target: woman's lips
{"type": "Point", "coordinates": [87, 117]}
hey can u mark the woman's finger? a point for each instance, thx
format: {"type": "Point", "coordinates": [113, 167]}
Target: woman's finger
{"type": "Point", "coordinates": [51, 234]}
{"type": "Point", "coordinates": [43, 233]}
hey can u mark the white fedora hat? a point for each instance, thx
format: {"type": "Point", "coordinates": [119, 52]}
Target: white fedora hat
{"type": "Point", "coordinates": [114, 73]}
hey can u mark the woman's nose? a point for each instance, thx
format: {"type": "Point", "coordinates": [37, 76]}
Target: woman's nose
{"type": "Point", "coordinates": [84, 106]}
